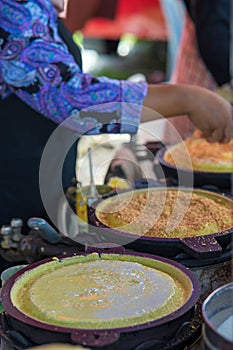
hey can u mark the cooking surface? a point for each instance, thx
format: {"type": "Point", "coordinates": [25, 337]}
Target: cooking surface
{"type": "Point", "coordinates": [167, 213]}
{"type": "Point", "coordinates": [89, 292]}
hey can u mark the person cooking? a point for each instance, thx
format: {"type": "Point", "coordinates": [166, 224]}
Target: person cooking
{"type": "Point", "coordinates": [42, 85]}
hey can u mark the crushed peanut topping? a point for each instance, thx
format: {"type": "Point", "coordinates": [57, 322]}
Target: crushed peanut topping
{"type": "Point", "coordinates": [168, 214]}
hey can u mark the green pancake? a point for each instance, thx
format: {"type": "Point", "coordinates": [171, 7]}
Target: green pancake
{"type": "Point", "coordinates": [90, 292]}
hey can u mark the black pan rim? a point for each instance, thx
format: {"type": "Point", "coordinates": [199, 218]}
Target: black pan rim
{"type": "Point", "coordinates": [162, 161]}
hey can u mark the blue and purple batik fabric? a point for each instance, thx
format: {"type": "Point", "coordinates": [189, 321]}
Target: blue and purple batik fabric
{"type": "Point", "coordinates": [36, 66]}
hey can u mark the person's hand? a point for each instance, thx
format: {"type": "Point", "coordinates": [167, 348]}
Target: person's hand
{"type": "Point", "coordinates": [212, 114]}
{"type": "Point", "coordinates": [208, 111]}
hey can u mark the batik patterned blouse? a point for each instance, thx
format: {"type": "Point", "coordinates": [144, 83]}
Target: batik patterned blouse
{"type": "Point", "coordinates": [35, 65]}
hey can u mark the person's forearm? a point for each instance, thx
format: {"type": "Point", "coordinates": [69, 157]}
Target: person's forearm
{"type": "Point", "coordinates": [166, 99]}
{"type": "Point", "coordinates": [209, 112]}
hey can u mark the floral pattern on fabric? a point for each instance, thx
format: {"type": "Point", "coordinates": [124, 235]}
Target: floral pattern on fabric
{"type": "Point", "coordinates": [35, 65]}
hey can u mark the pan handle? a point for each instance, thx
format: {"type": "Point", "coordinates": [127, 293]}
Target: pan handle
{"type": "Point", "coordinates": [202, 246]}
{"type": "Point", "coordinates": [101, 248]}
{"type": "Point", "coordinates": [97, 338]}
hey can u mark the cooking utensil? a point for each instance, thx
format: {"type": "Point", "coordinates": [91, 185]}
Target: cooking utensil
{"type": "Point", "coordinates": [93, 193]}
{"type": "Point", "coordinates": [200, 178]}
{"type": "Point", "coordinates": [204, 246]}
{"type": "Point", "coordinates": [125, 338]}
{"type": "Point", "coordinates": [217, 312]}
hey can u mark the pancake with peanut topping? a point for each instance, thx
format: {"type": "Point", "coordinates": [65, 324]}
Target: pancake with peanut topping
{"type": "Point", "coordinates": [167, 213]}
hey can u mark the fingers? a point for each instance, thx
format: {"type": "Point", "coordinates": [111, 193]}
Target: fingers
{"type": "Point", "coordinates": [227, 134]}
{"type": "Point", "coordinates": [222, 128]}
{"type": "Point", "coordinates": [228, 130]}
{"type": "Point", "coordinates": [216, 136]}
{"type": "Point", "coordinates": [222, 135]}
{"type": "Point", "coordinates": [218, 121]}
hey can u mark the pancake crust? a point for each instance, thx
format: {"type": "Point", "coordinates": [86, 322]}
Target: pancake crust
{"type": "Point", "coordinates": [92, 292]}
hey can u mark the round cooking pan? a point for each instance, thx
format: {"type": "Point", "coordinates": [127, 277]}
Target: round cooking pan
{"type": "Point", "coordinates": [185, 177]}
{"type": "Point", "coordinates": [125, 338]}
{"type": "Point", "coordinates": [204, 246]}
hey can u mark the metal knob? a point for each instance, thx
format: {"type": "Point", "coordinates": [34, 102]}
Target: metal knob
{"type": "Point", "coordinates": [16, 224]}
{"type": "Point", "coordinates": [6, 232]}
